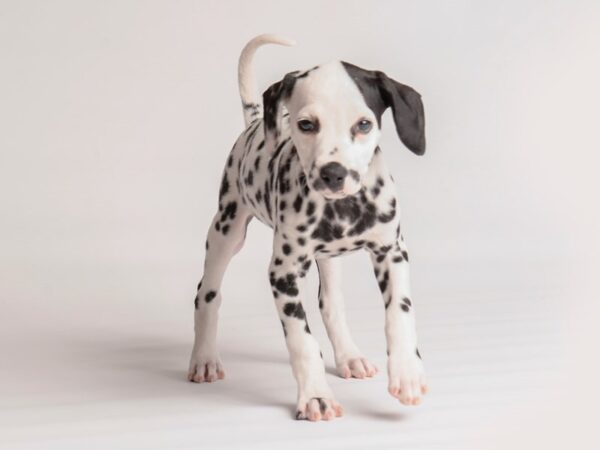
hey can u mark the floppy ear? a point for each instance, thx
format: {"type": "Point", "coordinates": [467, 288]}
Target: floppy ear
{"type": "Point", "coordinates": [407, 108]}
{"type": "Point", "coordinates": [381, 92]}
{"type": "Point", "coordinates": [273, 100]}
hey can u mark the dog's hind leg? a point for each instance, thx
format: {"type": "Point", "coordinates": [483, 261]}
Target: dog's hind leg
{"type": "Point", "coordinates": [349, 360]}
{"type": "Point", "coordinates": [225, 238]}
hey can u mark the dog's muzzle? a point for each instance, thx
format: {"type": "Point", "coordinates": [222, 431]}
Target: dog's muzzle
{"type": "Point", "coordinates": [333, 175]}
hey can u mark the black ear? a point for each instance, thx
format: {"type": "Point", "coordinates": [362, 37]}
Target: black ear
{"type": "Point", "coordinates": [381, 92]}
{"type": "Point", "coordinates": [273, 99]}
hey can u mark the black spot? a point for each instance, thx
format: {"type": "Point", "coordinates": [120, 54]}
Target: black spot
{"type": "Point", "coordinates": [327, 231]}
{"type": "Point", "coordinates": [286, 248]}
{"type": "Point", "coordinates": [250, 178]}
{"type": "Point", "coordinates": [306, 328]}
{"type": "Point", "coordinates": [354, 174]}
{"type": "Point", "coordinates": [267, 198]}
{"type": "Point", "coordinates": [301, 228]}
{"type": "Point", "coordinates": [230, 161]}
{"type": "Point", "coordinates": [277, 262]}
{"type": "Point", "coordinates": [405, 308]}
{"type": "Point", "coordinates": [229, 211]}
{"type": "Point", "coordinates": [319, 247]}
{"type": "Point", "coordinates": [196, 302]}
{"type": "Point", "coordinates": [287, 285]}
{"type": "Point", "coordinates": [294, 310]}
{"type": "Point", "coordinates": [282, 205]}
{"type": "Point", "coordinates": [383, 283]}
{"type": "Point", "coordinates": [284, 330]}
{"type": "Point", "coordinates": [298, 203]}
{"type": "Point", "coordinates": [310, 209]}
{"type": "Point", "coordinates": [256, 162]}
{"type": "Point", "coordinates": [385, 248]}
{"type": "Point", "coordinates": [397, 259]}
{"type": "Point", "coordinates": [418, 354]}
{"type": "Point", "coordinates": [306, 265]}
{"type": "Point", "coordinates": [407, 301]}
{"type": "Point", "coordinates": [366, 218]}
{"type": "Point", "coordinates": [225, 229]}
{"type": "Point", "coordinates": [224, 186]}
{"type": "Point", "coordinates": [301, 241]}
{"type": "Point", "coordinates": [405, 255]}
{"type": "Point", "coordinates": [210, 296]}
{"type": "Point", "coordinates": [386, 217]}
{"type": "Point", "coordinates": [387, 304]}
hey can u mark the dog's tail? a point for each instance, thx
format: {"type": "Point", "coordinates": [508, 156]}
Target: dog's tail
{"type": "Point", "coordinates": [248, 91]}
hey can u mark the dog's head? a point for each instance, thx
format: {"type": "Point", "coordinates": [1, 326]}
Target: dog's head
{"type": "Point", "coordinates": [335, 118]}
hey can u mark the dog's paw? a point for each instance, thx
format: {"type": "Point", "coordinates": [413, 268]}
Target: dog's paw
{"type": "Point", "coordinates": [355, 367]}
{"type": "Point", "coordinates": [407, 380]}
{"type": "Point", "coordinates": [318, 408]}
{"type": "Point", "coordinates": [205, 369]}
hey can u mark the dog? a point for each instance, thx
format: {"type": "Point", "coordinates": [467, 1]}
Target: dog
{"type": "Point", "coordinates": [308, 165]}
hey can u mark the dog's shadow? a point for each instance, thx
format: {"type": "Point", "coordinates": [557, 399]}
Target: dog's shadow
{"type": "Point", "coordinates": [144, 367]}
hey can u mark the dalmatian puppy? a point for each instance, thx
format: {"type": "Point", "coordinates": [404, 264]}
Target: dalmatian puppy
{"type": "Point", "coordinates": [308, 165]}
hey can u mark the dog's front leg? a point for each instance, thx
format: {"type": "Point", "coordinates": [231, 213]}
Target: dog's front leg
{"type": "Point", "coordinates": [287, 269]}
{"type": "Point", "coordinates": [405, 369]}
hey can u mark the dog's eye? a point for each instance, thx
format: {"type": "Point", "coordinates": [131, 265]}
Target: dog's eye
{"type": "Point", "coordinates": [308, 126]}
{"type": "Point", "coordinates": [364, 126]}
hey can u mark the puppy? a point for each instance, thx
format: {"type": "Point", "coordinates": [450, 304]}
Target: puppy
{"type": "Point", "coordinates": [308, 165]}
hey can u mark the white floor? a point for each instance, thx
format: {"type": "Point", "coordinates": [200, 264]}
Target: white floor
{"type": "Point", "coordinates": [104, 367]}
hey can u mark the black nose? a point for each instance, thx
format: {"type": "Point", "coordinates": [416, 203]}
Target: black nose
{"type": "Point", "coordinates": [333, 175]}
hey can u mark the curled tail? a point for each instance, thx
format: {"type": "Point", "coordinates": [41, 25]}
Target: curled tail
{"type": "Point", "coordinates": [251, 100]}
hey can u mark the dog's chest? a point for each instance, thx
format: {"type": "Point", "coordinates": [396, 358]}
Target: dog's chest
{"type": "Point", "coordinates": [338, 226]}
{"type": "Point", "coordinates": [274, 187]}
{"type": "Point", "coordinates": [319, 225]}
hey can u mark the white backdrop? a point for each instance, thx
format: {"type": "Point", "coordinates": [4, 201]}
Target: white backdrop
{"type": "Point", "coordinates": [116, 119]}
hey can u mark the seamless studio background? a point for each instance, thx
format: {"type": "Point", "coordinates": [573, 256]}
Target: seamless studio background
{"type": "Point", "coordinates": [116, 121]}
